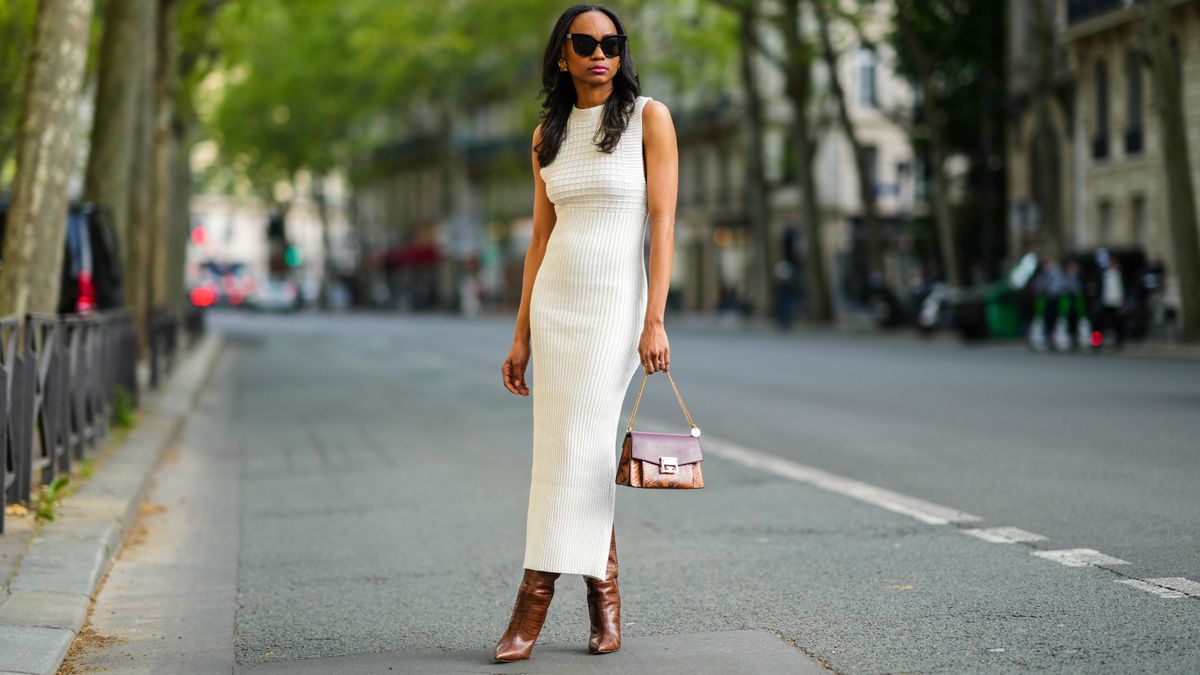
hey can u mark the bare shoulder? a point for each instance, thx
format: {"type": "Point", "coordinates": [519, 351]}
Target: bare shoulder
{"type": "Point", "coordinates": [656, 112]}
{"type": "Point", "coordinates": [537, 134]}
{"type": "Point", "coordinates": [656, 120]}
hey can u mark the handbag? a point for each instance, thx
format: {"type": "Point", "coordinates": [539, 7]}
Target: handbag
{"type": "Point", "coordinates": [660, 460]}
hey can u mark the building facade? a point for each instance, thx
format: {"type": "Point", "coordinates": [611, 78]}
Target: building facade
{"type": "Point", "coordinates": [1086, 166]}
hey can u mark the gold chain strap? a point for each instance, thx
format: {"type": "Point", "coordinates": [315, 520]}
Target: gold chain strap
{"type": "Point", "coordinates": [638, 400]}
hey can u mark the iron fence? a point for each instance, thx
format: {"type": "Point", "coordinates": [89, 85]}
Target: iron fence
{"type": "Point", "coordinates": [59, 378]}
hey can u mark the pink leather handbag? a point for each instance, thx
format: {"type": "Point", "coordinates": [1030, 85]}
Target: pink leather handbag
{"type": "Point", "coordinates": [660, 460]}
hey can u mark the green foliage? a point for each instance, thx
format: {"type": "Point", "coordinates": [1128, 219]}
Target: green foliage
{"type": "Point", "coordinates": [312, 85]}
{"type": "Point", "coordinates": [16, 39]}
{"type": "Point", "coordinates": [48, 497]}
{"type": "Point", "coordinates": [955, 36]}
{"type": "Point", "coordinates": [123, 410]}
{"type": "Point", "coordinates": [686, 45]}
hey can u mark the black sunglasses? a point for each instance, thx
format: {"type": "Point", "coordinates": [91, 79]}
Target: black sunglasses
{"type": "Point", "coordinates": [585, 45]}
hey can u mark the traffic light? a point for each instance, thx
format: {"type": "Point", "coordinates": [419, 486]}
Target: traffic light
{"type": "Point", "coordinates": [292, 256]}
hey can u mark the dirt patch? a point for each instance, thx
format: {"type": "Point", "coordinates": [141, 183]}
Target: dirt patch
{"type": "Point", "coordinates": [171, 454]}
{"type": "Point", "coordinates": [149, 508]}
{"type": "Point", "coordinates": [140, 530]}
{"type": "Point", "coordinates": [137, 535]}
{"type": "Point", "coordinates": [87, 641]}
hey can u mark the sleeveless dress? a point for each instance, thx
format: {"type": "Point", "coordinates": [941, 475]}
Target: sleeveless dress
{"type": "Point", "coordinates": [586, 311]}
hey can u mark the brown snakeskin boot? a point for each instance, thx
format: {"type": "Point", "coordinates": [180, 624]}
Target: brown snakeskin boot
{"type": "Point", "coordinates": [529, 612]}
{"type": "Point", "coordinates": [604, 607]}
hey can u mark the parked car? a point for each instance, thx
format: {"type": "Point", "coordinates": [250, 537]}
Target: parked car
{"type": "Point", "coordinates": [277, 294]}
{"type": "Point", "coordinates": [91, 267]}
{"type": "Point", "coordinates": [221, 284]}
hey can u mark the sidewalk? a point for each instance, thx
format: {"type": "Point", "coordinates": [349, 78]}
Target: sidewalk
{"type": "Point", "coordinates": [50, 570]}
{"type": "Point", "coordinates": [857, 326]}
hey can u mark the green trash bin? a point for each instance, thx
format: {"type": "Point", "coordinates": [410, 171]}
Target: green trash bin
{"type": "Point", "coordinates": [1003, 311]}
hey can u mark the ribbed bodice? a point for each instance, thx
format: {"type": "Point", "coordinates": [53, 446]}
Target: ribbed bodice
{"type": "Point", "coordinates": [582, 175]}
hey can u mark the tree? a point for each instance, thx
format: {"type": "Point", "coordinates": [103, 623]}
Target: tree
{"type": "Point", "coordinates": [953, 52]}
{"type": "Point", "coordinates": [30, 276]}
{"type": "Point", "coordinates": [915, 21]}
{"type": "Point", "coordinates": [110, 157]}
{"type": "Point", "coordinates": [1181, 198]}
{"type": "Point", "coordinates": [756, 198]}
{"type": "Point", "coordinates": [866, 191]}
{"type": "Point", "coordinates": [166, 147]}
{"type": "Point", "coordinates": [16, 36]}
{"type": "Point", "coordinates": [1045, 182]}
{"type": "Point", "coordinates": [798, 68]}
{"type": "Point", "coordinates": [139, 239]}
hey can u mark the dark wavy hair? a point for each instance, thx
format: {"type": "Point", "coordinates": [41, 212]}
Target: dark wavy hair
{"type": "Point", "coordinates": [559, 91]}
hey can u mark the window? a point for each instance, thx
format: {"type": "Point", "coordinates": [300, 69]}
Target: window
{"type": "Point", "coordinates": [1100, 140]}
{"type": "Point", "coordinates": [872, 156]}
{"type": "Point", "coordinates": [1133, 104]}
{"type": "Point", "coordinates": [1138, 215]}
{"type": "Point", "coordinates": [868, 66]}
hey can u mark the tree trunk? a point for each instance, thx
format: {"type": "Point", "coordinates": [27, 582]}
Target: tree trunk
{"type": "Point", "coordinates": [1181, 199]}
{"type": "Point", "coordinates": [320, 199]}
{"type": "Point", "coordinates": [179, 218]}
{"type": "Point", "coordinates": [799, 88]}
{"type": "Point", "coordinates": [942, 214]}
{"type": "Point", "coordinates": [1046, 187]}
{"type": "Point", "coordinates": [110, 158]}
{"type": "Point", "coordinates": [759, 276]}
{"type": "Point", "coordinates": [866, 191]}
{"type": "Point", "coordinates": [139, 243]}
{"type": "Point", "coordinates": [941, 202]}
{"type": "Point", "coordinates": [30, 277]}
{"type": "Point", "coordinates": [166, 86]}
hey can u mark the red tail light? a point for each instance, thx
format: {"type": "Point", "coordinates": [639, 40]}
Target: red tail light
{"type": "Point", "coordinates": [87, 292]}
{"type": "Point", "coordinates": [203, 296]}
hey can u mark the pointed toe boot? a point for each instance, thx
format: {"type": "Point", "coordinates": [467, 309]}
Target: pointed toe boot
{"type": "Point", "coordinates": [604, 607]}
{"type": "Point", "coordinates": [529, 613]}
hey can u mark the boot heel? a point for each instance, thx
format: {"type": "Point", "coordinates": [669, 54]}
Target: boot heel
{"type": "Point", "coordinates": [529, 613]}
{"type": "Point", "coordinates": [604, 607]}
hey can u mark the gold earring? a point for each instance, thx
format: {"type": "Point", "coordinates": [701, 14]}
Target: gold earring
{"type": "Point", "coordinates": [562, 65]}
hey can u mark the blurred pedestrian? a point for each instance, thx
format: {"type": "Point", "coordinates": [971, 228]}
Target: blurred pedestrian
{"type": "Point", "coordinates": [785, 293]}
{"type": "Point", "coordinates": [1075, 305]}
{"type": "Point", "coordinates": [1048, 288]}
{"type": "Point", "coordinates": [1112, 300]}
{"type": "Point", "coordinates": [592, 315]}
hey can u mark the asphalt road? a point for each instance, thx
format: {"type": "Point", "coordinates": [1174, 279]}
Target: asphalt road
{"type": "Point", "coordinates": [384, 475]}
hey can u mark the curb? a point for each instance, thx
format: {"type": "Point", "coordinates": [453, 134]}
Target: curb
{"type": "Point", "coordinates": [66, 562]}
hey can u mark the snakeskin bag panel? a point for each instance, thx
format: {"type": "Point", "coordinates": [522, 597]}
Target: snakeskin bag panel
{"type": "Point", "coordinates": [660, 460]}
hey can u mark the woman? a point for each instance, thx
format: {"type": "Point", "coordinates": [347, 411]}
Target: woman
{"type": "Point", "coordinates": [604, 160]}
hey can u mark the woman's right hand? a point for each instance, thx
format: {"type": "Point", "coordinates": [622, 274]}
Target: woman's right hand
{"type": "Point", "coordinates": [513, 369]}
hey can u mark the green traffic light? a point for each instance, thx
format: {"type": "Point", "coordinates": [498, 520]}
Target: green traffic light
{"type": "Point", "coordinates": [292, 256]}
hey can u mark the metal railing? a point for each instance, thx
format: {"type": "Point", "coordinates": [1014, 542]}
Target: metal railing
{"type": "Point", "coordinates": [59, 378]}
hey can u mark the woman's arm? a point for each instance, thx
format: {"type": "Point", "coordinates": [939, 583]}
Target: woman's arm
{"type": "Point", "coordinates": [662, 183]}
{"type": "Point", "coordinates": [544, 218]}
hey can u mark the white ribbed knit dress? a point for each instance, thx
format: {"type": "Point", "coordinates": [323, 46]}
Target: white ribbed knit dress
{"type": "Point", "coordinates": [586, 313]}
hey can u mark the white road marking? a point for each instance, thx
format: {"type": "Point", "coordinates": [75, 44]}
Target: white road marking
{"type": "Point", "coordinates": [1185, 586]}
{"type": "Point", "coordinates": [1003, 535]}
{"type": "Point", "coordinates": [926, 512]}
{"type": "Point", "coordinates": [1079, 557]}
{"type": "Point", "coordinates": [1151, 588]}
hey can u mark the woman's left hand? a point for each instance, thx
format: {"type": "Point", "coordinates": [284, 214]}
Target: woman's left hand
{"type": "Point", "coordinates": [654, 349]}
